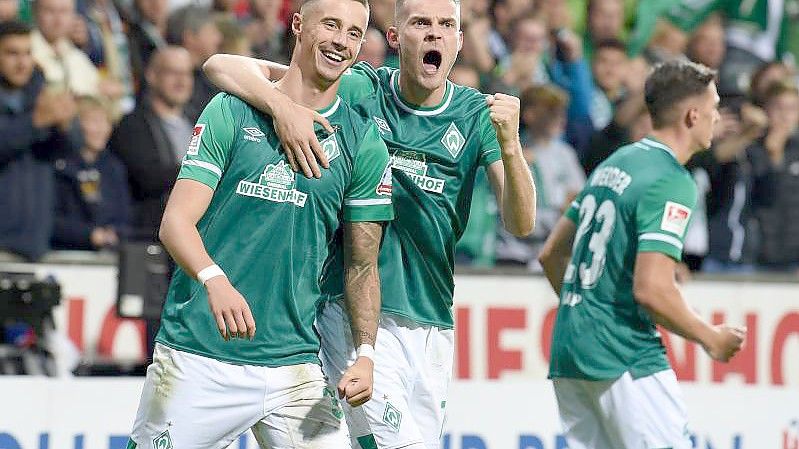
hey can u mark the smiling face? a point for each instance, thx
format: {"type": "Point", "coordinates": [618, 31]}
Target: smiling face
{"type": "Point", "coordinates": [329, 36]}
{"type": "Point", "coordinates": [427, 33]}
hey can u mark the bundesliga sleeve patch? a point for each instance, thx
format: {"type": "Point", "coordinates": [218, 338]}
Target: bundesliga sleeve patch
{"type": "Point", "coordinates": [675, 218]}
{"type": "Point", "coordinates": [384, 188]}
{"type": "Point", "coordinates": [194, 143]}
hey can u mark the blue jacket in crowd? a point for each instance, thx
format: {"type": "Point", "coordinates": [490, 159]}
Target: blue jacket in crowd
{"type": "Point", "coordinates": [26, 171]}
{"type": "Point", "coordinates": [90, 195]}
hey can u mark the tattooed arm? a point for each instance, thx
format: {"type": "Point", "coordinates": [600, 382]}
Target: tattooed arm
{"type": "Point", "coordinates": [362, 298]}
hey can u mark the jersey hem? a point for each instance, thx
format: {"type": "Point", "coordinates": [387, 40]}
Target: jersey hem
{"type": "Point", "coordinates": [416, 319]}
{"type": "Point", "coordinates": [634, 373]}
{"type": "Point", "coordinates": [300, 360]}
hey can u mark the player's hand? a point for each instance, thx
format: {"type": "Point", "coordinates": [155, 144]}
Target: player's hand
{"type": "Point", "coordinates": [504, 112]}
{"type": "Point", "coordinates": [356, 383]}
{"type": "Point", "coordinates": [294, 126]}
{"type": "Point", "coordinates": [230, 309]}
{"type": "Point", "coordinates": [727, 342]}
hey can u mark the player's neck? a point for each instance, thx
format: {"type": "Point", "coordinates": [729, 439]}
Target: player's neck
{"type": "Point", "coordinates": [417, 95]}
{"type": "Point", "coordinates": [306, 91]}
{"type": "Point", "coordinates": [680, 143]}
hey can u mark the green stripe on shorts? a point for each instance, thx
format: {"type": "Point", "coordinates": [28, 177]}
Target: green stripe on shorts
{"type": "Point", "coordinates": [367, 442]}
{"type": "Point", "coordinates": [131, 445]}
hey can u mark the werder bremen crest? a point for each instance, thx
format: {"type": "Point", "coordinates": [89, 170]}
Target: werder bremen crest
{"type": "Point", "coordinates": [414, 165]}
{"type": "Point", "coordinates": [453, 140]}
{"type": "Point", "coordinates": [275, 184]}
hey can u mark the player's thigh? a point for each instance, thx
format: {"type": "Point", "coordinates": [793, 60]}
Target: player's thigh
{"type": "Point", "coordinates": [579, 419]}
{"type": "Point", "coordinates": [303, 412]}
{"type": "Point", "coordinates": [646, 413]}
{"type": "Point", "coordinates": [194, 402]}
{"type": "Point", "coordinates": [428, 398]}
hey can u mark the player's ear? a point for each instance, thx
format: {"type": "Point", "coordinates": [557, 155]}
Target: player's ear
{"type": "Point", "coordinates": [691, 117]}
{"type": "Point", "coordinates": [392, 36]}
{"type": "Point", "coordinates": [296, 24]}
{"type": "Point", "coordinates": [460, 40]}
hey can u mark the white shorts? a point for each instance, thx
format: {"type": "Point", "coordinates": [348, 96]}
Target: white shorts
{"type": "Point", "coordinates": [195, 402]}
{"type": "Point", "coordinates": [413, 366]}
{"type": "Point", "coordinates": [626, 413]}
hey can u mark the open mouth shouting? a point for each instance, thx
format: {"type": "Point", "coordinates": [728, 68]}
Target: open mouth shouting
{"type": "Point", "coordinates": [431, 62]}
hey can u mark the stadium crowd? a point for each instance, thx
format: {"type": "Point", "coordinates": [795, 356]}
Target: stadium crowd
{"type": "Point", "coordinates": [99, 99]}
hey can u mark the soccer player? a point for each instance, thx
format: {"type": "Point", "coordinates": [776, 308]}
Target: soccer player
{"type": "Point", "coordinates": [251, 239]}
{"type": "Point", "coordinates": [438, 134]}
{"type": "Point", "coordinates": [612, 260]}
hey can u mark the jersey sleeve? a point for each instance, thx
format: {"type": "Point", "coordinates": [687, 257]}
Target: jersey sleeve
{"type": "Point", "coordinates": [489, 145]}
{"type": "Point", "coordinates": [358, 82]}
{"type": "Point", "coordinates": [573, 212]}
{"type": "Point", "coordinates": [211, 141]}
{"type": "Point", "coordinates": [663, 214]}
{"type": "Point", "coordinates": [368, 197]}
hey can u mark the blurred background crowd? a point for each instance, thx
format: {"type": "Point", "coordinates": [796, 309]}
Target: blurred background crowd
{"type": "Point", "coordinates": [99, 98]}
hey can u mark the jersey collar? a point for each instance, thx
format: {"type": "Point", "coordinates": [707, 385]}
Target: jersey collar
{"type": "Point", "coordinates": [652, 142]}
{"type": "Point", "coordinates": [419, 110]}
{"type": "Point", "coordinates": [328, 110]}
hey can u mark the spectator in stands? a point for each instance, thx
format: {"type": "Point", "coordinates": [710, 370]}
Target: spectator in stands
{"type": "Point", "coordinates": [605, 23]}
{"type": "Point", "coordinates": [556, 170]}
{"type": "Point", "coordinates": [146, 34]}
{"type": "Point", "coordinates": [64, 65]}
{"type": "Point", "coordinates": [465, 75]}
{"type": "Point", "coordinates": [707, 44]}
{"type": "Point", "coordinates": [609, 68]}
{"type": "Point", "coordinates": [93, 208]}
{"type": "Point", "coordinates": [153, 139]}
{"type": "Point", "coordinates": [630, 124]}
{"type": "Point", "coordinates": [535, 60]}
{"type": "Point", "coordinates": [266, 31]}
{"type": "Point", "coordinates": [234, 38]}
{"type": "Point", "coordinates": [740, 181]}
{"type": "Point", "coordinates": [37, 126]}
{"type": "Point", "coordinates": [764, 77]}
{"type": "Point", "coordinates": [373, 49]}
{"type": "Point", "coordinates": [106, 44]}
{"type": "Point", "coordinates": [757, 32]}
{"type": "Point", "coordinates": [779, 223]}
{"type": "Point", "coordinates": [194, 28]}
{"type": "Point", "coordinates": [483, 46]}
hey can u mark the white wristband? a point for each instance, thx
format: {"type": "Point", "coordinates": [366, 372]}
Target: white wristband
{"type": "Point", "coordinates": [207, 273]}
{"type": "Point", "coordinates": [366, 350]}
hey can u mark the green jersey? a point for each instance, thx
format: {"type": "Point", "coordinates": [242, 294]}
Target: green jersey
{"type": "Point", "coordinates": [269, 229]}
{"type": "Point", "coordinates": [639, 200]}
{"type": "Point", "coordinates": [435, 154]}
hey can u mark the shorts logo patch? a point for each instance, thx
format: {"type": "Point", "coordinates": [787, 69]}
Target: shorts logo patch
{"type": "Point", "coordinates": [163, 441]}
{"type": "Point", "coordinates": [384, 188]}
{"type": "Point", "coordinates": [392, 416]}
{"type": "Point", "coordinates": [453, 140]}
{"type": "Point", "coordinates": [335, 406]}
{"type": "Point", "coordinates": [330, 147]}
{"type": "Point", "coordinates": [276, 184]}
{"type": "Point", "coordinates": [675, 218]}
{"type": "Point", "coordinates": [196, 136]}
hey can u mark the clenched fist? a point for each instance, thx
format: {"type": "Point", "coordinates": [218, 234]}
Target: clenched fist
{"type": "Point", "coordinates": [504, 112]}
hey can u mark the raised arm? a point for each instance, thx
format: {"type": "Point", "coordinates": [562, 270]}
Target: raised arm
{"type": "Point", "coordinates": [249, 79]}
{"type": "Point", "coordinates": [511, 178]}
{"type": "Point", "coordinates": [362, 298]}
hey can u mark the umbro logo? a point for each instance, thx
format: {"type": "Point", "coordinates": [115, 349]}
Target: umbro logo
{"type": "Point", "coordinates": [253, 134]}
